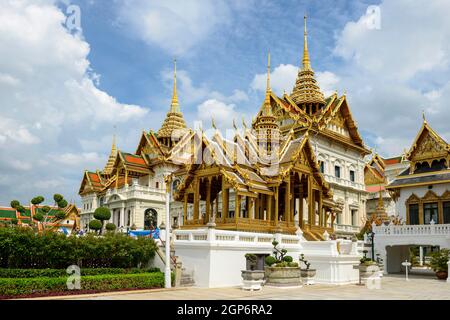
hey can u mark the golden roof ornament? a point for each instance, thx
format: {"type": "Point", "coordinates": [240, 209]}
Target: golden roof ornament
{"type": "Point", "coordinates": [213, 123]}
{"type": "Point", "coordinates": [306, 89]}
{"type": "Point", "coordinates": [174, 119]}
{"type": "Point", "coordinates": [112, 157]}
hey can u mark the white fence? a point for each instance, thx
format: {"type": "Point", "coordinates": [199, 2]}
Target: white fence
{"type": "Point", "coordinates": [412, 230]}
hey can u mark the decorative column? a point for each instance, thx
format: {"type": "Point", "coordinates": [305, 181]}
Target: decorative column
{"type": "Point", "coordinates": [287, 201]}
{"type": "Point", "coordinates": [311, 218]}
{"type": "Point", "coordinates": [208, 199]}
{"type": "Point", "coordinates": [185, 207]}
{"type": "Point", "coordinates": [117, 179]}
{"type": "Point", "coordinates": [196, 199]}
{"type": "Point", "coordinates": [237, 207]}
{"type": "Point", "coordinates": [257, 211]}
{"type": "Point", "coordinates": [251, 208]}
{"type": "Point", "coordinates": [126, 178]}
{"type": "Point", "coordinates": [122, 218]}
{"type": "Point", "coordinates": [276, 205]}
{"type": "Point", "coordinates": [225, 201]}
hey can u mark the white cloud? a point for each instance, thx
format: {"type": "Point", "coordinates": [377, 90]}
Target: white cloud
{"type": "Point", "coordinates": [282, 78]}
{"type": "Point", "coordinates": [50, 103]}
{"type": "Point", "coordinates": [393, 73]}
{"type": "Point", "coordinates": [328, 82]}
{"type": "Point", "coordinates": [175, 26]}
{"type": "Point", "coordinates": [222, 113]}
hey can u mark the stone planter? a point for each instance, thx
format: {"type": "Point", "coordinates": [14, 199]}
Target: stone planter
{"type": "Point", "coordinates": [368, 272]}
{"type": "Point", "coordinates": [308, 276]}
{"type": "Point", "coordinates": [252, 279]}
{"type": "Point", "coordinates": [283, 277]}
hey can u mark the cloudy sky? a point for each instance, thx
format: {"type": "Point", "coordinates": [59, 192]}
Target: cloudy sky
{"type": "Point", "coordinates": [63, 90]}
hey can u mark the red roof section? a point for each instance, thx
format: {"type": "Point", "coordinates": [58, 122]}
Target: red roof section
{"type": "Point", "coordinates": [135, 160]}
{"type": "Point", "coordinates": [374, 188]}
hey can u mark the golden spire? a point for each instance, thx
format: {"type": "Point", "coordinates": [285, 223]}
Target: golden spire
{"type": "Point", "coordinates": [213, 123]}
{"type": "Point", "coordinates": [306, 92]}
{"type": "Point", "coordinates": [306, 61]}
{"type": "Point", "coordinates": [175, 107]}
{"type": "Point", "coordinates": [267, 107]}
{"type": "Point", "coordinates": [423, 116]}
{"type": "Point", "coordinates": [112, 156]}
{"type": "Point", "coordinates": [174, 123]}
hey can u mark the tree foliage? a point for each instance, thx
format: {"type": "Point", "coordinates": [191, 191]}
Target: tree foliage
{"type": "Point", "coordinates": [110, 227]}
{"type": "Point", "coordinates": [37, 200]}
{"type": "Point", "coordinates": [95, 225]}
{"type": "Point", "coordinates": [15, 204]}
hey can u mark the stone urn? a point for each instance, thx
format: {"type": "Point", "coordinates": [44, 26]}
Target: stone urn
{"type": "Point", "coordinates": [283, 276]}
{"type": "Point", "coordinates": [308, 276]}
{"type": "Point", "coordinates": [252, 279]}
{"type": "Point", "coordinates": [368, 271]}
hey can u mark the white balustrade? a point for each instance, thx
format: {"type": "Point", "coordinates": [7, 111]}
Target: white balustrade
{"type": "Point", "coordinates": [408, 230]}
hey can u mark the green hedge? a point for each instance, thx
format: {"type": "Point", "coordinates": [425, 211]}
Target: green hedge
{"type": "Point", "coordinates": [26, 249]}
{"type": "Point", "coordinates": [54, 273]}
{"type": "Point", "coordinates": [44, 285]}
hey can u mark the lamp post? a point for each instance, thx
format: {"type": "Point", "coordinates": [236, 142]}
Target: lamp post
{"type": "Point", "coordinates": [167, 273]}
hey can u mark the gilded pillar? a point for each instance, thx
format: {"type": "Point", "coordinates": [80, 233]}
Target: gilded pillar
{"type": "Point", "coordinates": [196, 198]}
{"type": "Point", "coordinates": [276, 205]}
{"type": "Point", "coordinates": [225, 201]}
{"type": "Point", "coordinates": [287, 201]}
{"type": "Point", "coordinates": [185, 207]}
{"type": "Point", "coordinates": [237, 207]}
{"type": "Point", "coordinates": [208, 199]}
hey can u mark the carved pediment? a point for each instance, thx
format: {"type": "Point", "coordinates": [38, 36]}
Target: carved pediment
{"type": "Point", "coordinates": [429, 148]}
{"type": "Point", "coordinates": [413, 198]}
{"type": "Point", "coordinates": [430, 195]}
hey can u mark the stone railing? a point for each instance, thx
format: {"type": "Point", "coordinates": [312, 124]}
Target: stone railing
{"type": "Point", "coordinates": [346, 228]}
{"type": "Point", "coordinates": [408, 230]}
{"type": "Point", "coordinates": [224, 237]}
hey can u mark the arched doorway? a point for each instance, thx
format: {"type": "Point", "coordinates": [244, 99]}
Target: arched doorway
{"type": "Point", "coordinates": [150, 219]}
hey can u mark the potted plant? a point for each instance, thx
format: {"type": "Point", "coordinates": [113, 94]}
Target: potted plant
{"type": "Point", "coordinates": [367, 269]}
{"type": "Point", "coordinates": [280, 269]}
{"type": "Point", "coordinates": [438, 263]}
{"type": "Point", "coordinates": [252, 278]}
{"type": "Point", "coordinates": [307, 274]}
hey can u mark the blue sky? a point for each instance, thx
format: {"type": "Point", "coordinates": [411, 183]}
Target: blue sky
{"type": "Point", "coordinates": [62, 92]}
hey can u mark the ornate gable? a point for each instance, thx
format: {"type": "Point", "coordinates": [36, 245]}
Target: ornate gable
{"type": "Point", "coordinates": [428, 146]}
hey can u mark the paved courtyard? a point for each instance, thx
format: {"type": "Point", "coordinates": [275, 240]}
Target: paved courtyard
{"type": "Point", "coordinates": [392, 287]}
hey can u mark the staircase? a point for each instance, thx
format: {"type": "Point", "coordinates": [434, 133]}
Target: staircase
{"type": "Point", "coordinates": [186, 279]}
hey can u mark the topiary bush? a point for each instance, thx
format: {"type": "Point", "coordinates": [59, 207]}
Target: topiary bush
{"type": "Point", "coordinates": [95, 225]}
{"type": "Point", "coordinates": [102, 214]}
{"type": "Point", "coordinates": [60, 215]}
{"type": "Point", "coordinates": [15, 204]}
{"type": "Point", "coordinates": [110, 227]}
{"type": "Point", "coordinates": [37, 200]}
{"type": "Point", "coordinates": [38, 217]}
{"type": "Point", "coordinates": [57, 197]}
{"type": "Point", "coordinates": [270, 260]}
{"type": "Point", "coordinates": [62, 204]}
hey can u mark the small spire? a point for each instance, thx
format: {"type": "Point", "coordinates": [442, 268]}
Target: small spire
{"type": "Point", "coordinates": [114, 147]}
{"type": "Point", "coordinates": [213, 123]}
{"type": "Point", "coordinates": [306, 61]}
{"type": "Point", "coordinates": [175, 107]}
{"type": "Point", "coordinates": [423, 116]}
{"type": "Point", "coordinates": [234, 124]}
{"type": "Point", "coordinates": [267, 107]}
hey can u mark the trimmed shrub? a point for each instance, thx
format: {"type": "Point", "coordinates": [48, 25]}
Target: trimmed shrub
{"type": "Point", "coordinates": [38, 217]}
{"type": "Point", "coordinates": [54, 273]}
{"type": "Point", "coordinates": [102, 214]}
{"type": "Point", "coordinates": [37, 200]}
{"type": "Point", "coordinates": [270, 260]}
{"type": "Point", "coordinates": [24, 286]}
{"type": "Point", "coordinates": [62, 204]}
{"type": "Point", "coordinates": [15, 204]}
{"type": "Point", "coordinates": [60, 215]}
{"type": "Point", "coordinates": [24, 248]}
{"type": "Point", "coordinates": [95, 225]}
{"type": "Point", "coordinates": [110, 227]}
{"type": "Point", "coordinates": [46, 209]}
{"type": "Point", "coordinates": [57, 197]}
{"type": "Point", "coordinates": [288, 259]}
